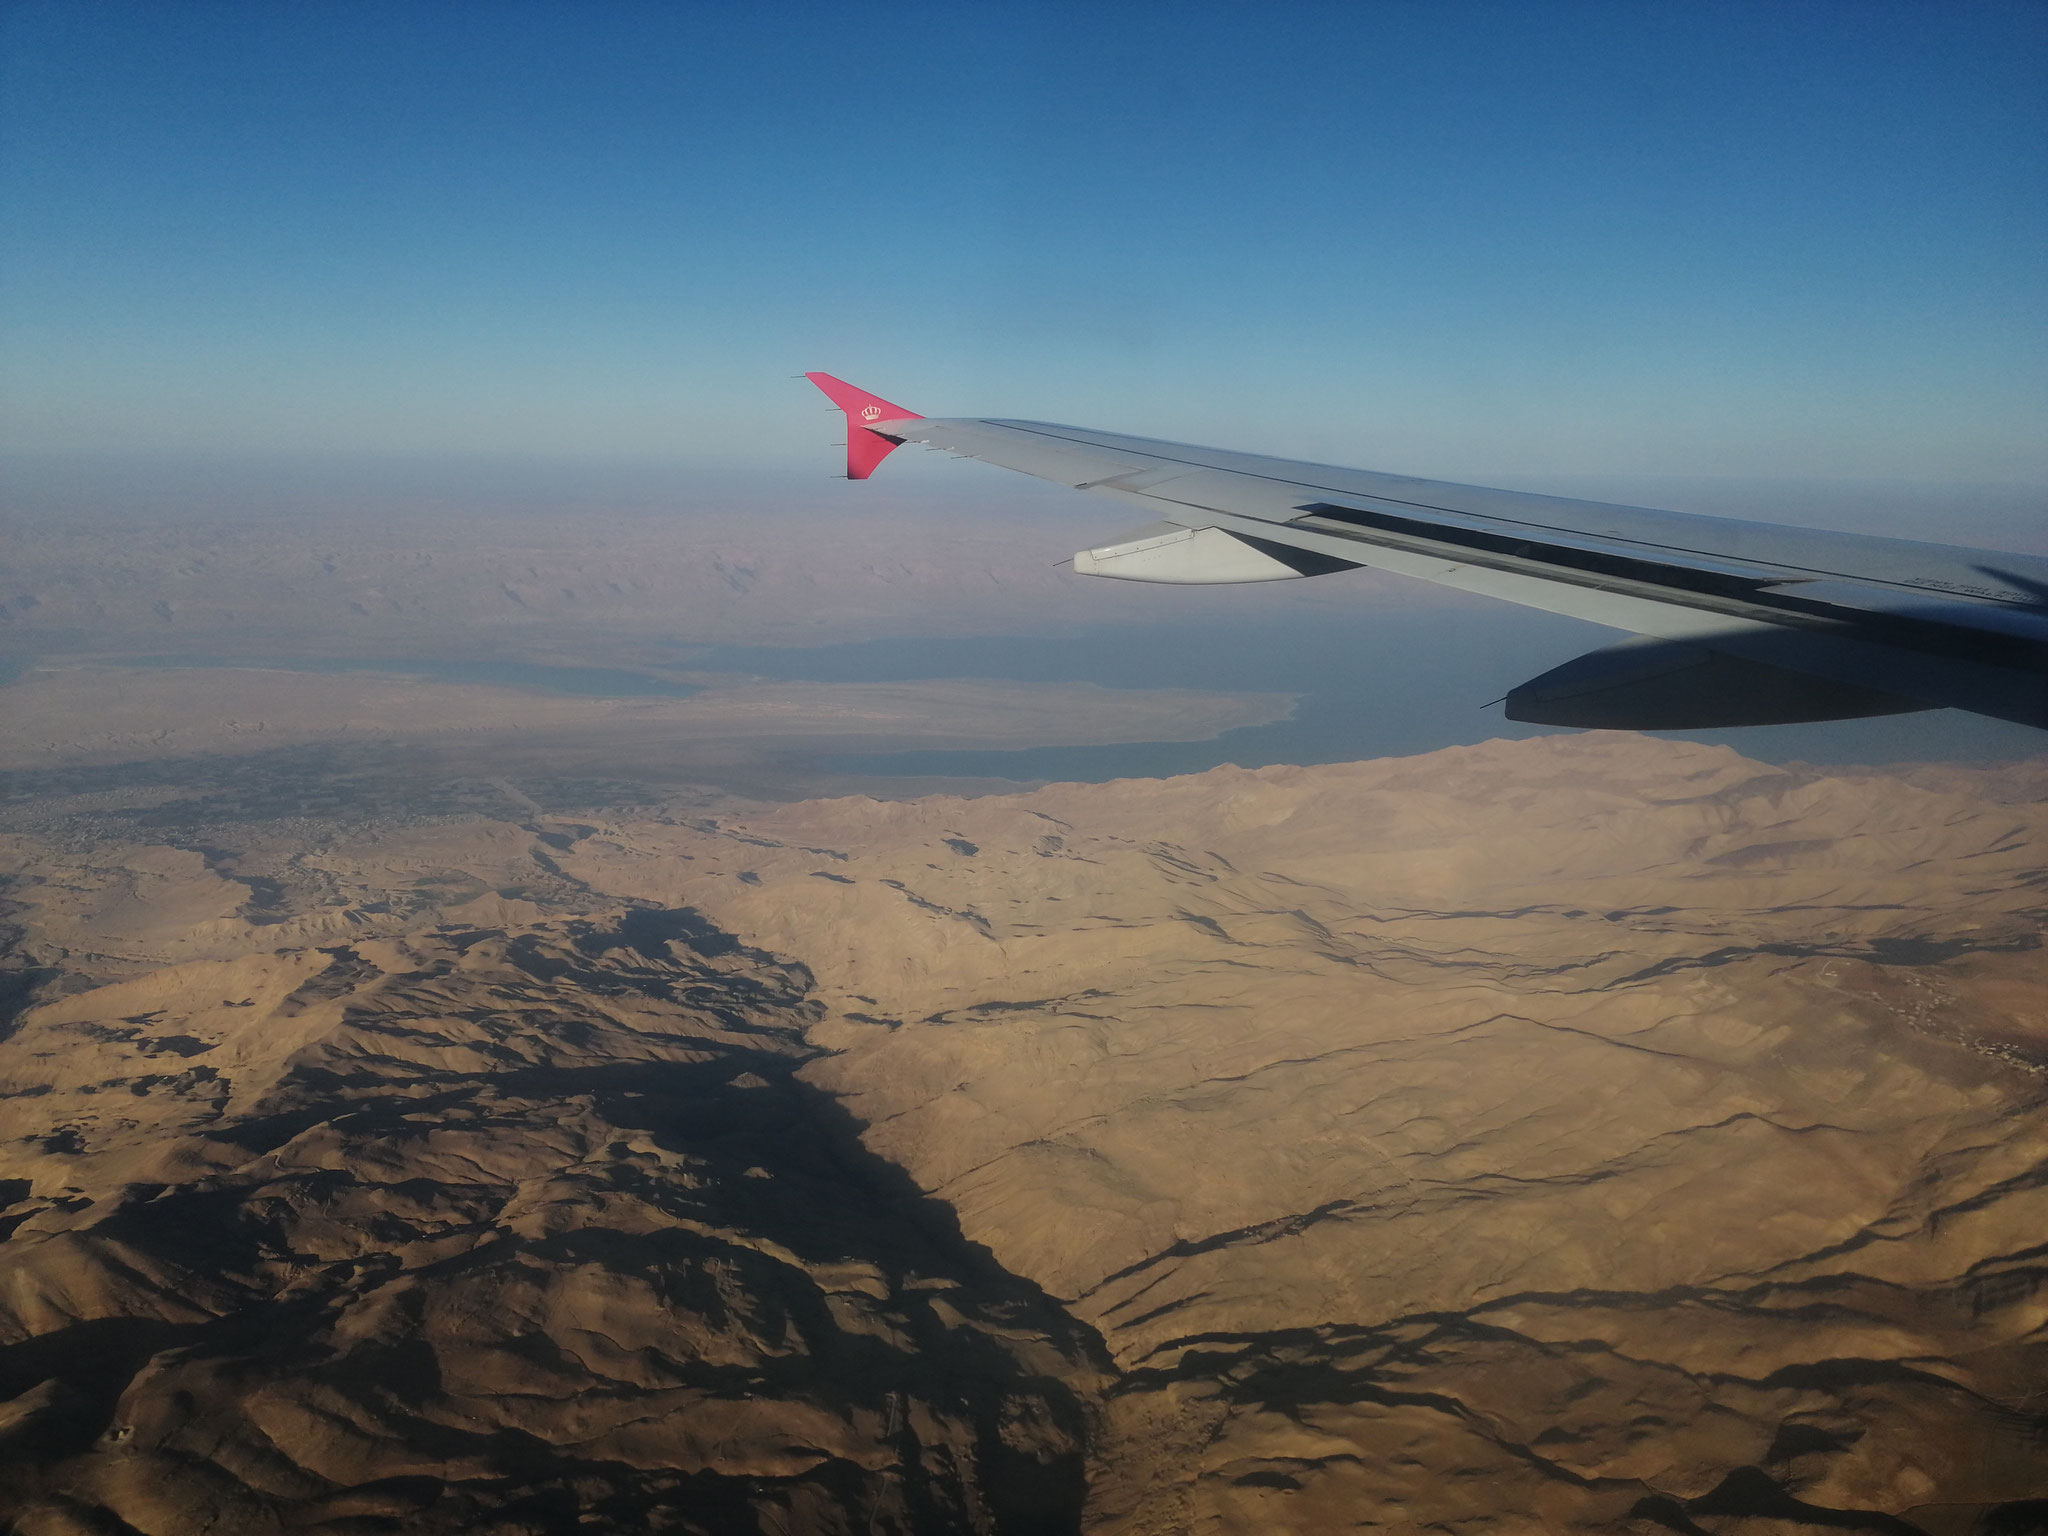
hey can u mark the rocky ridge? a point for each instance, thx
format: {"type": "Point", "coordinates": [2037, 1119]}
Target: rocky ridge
{"type": "Point", "coordinates": [1534, 1136]}
{"type": "Point", "coordinates": [470, 1231]}
{"type": "Point", "coordinates": [1576, 1134]}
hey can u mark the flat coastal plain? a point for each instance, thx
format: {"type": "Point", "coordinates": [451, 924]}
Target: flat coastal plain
{"type": "Point", "coordinates": [1578, 1134]}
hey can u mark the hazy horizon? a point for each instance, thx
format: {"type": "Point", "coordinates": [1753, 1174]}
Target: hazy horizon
{"type": "Point", "coordinates": [146, 482]}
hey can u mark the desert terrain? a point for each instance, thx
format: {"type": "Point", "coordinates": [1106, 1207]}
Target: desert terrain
{"type": "Point", "coordinates": [1588, 1133]}
{"type": "Point", "coordinates": [532, 1090]}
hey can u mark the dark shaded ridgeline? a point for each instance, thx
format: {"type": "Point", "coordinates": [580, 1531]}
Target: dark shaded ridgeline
{"type": "Point", "coordinates": [494, 1251]}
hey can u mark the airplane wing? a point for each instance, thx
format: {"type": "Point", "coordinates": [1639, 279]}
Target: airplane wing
{"type": "Point", "coordinates": [1735, 623]}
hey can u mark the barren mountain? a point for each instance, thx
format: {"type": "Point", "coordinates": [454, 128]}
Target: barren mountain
{"type": "Point", "coordinates": [474, 1231]}
{"type": "Point", "coordinates": [1586, 1133]}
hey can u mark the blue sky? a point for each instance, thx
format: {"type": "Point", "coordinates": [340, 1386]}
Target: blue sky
{"type": "Point", "coordinates": [1762, 239]}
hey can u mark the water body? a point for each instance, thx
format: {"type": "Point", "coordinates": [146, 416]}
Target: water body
{"type": "Point", "coordinates": [1369, 683]}
{"type": "Point", "coordinates": [581, 682]}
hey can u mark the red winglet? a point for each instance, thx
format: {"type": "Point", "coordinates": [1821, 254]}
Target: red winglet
{"type": "Point", "coordinates": [864, 449]}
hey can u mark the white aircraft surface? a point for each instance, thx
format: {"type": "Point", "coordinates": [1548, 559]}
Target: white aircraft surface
{"type": "Point", "coordinates": [1734, 623]}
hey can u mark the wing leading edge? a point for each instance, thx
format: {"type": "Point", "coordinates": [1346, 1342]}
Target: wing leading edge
{"type": "Point", "coordinates": [1737, 623]}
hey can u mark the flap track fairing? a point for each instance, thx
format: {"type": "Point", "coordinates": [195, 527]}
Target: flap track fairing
{"type": "Point", "coordinates": [1199, 557]}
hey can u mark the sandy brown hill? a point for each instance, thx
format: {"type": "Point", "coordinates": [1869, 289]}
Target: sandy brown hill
{"type": "Point", "coordinates": [1536, 1135]}
{"type": "Point", "coordinates": [1579, 1134]}
{"type": "Point", "coordinates": [474, 1233]}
